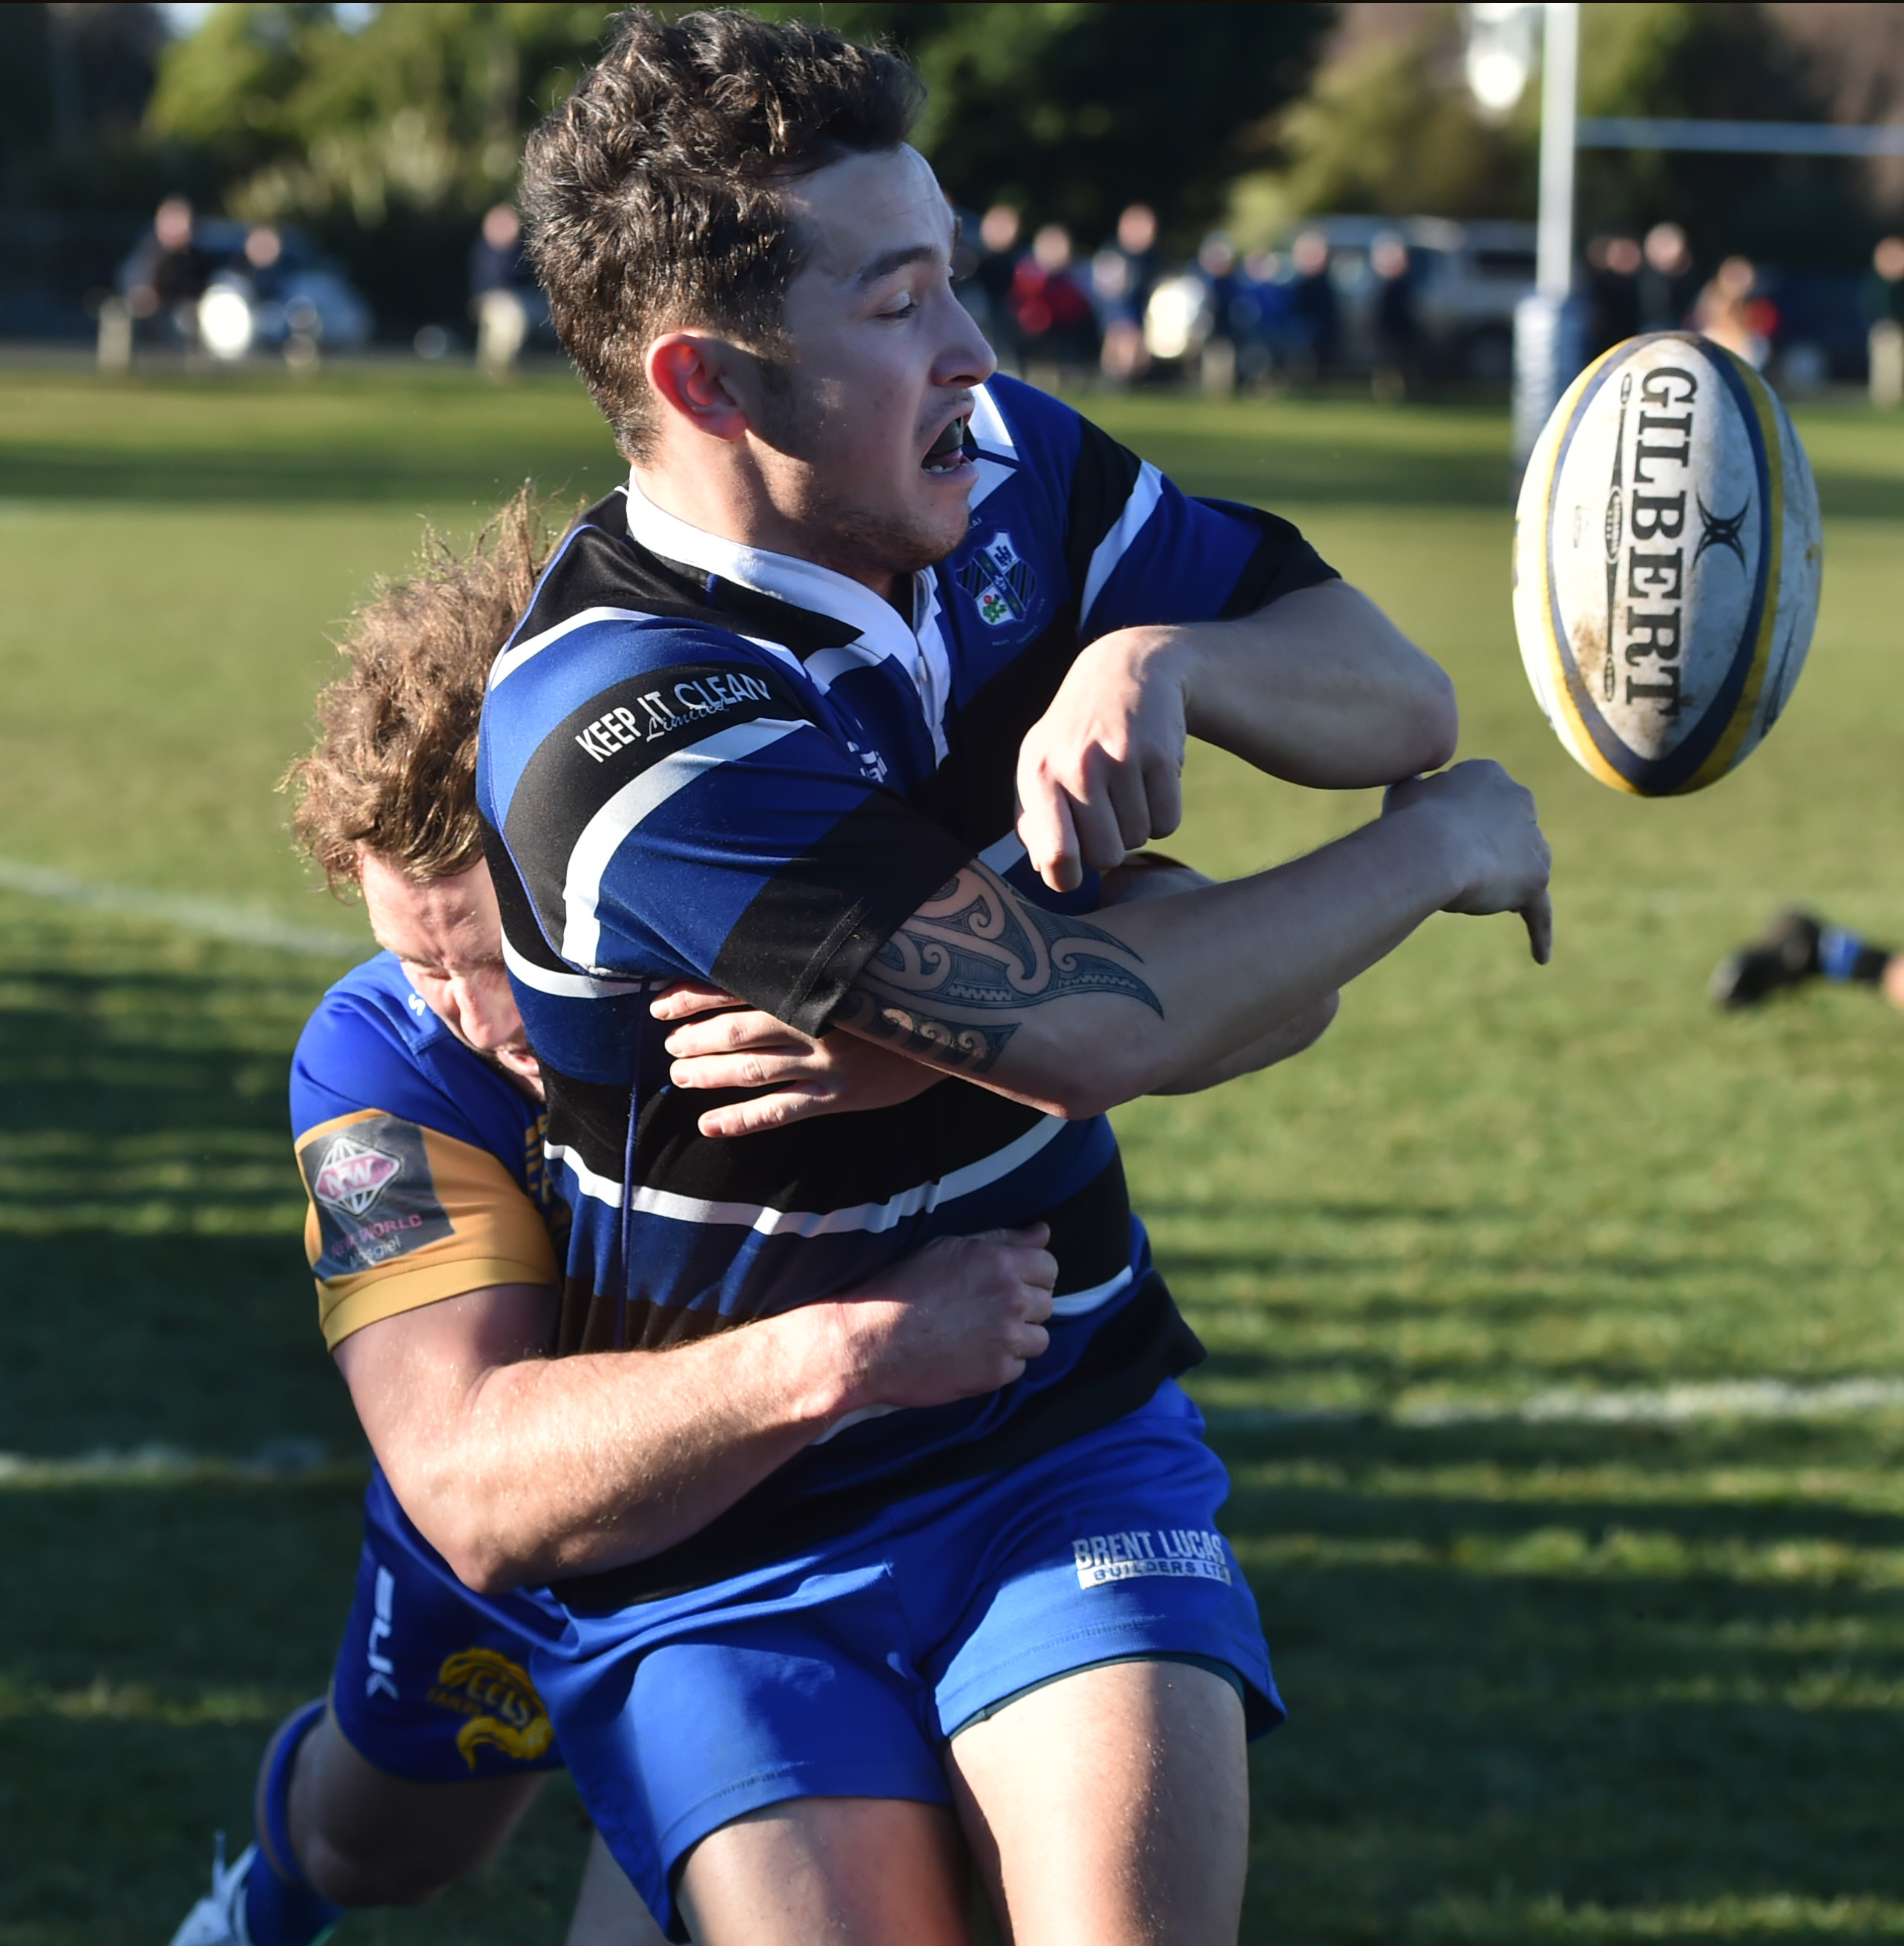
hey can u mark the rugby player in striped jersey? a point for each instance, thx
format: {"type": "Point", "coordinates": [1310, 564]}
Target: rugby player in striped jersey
{"type": "Point", "coordinates": [842, 704]}
{"type": "Point", "coordinates": [417, 1110]}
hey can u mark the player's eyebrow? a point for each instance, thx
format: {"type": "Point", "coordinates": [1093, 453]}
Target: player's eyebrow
{"type": "Point", "coordinates": [887, 261]}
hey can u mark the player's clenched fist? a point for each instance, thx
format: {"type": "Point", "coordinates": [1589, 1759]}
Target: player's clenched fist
{"type": "Point", "coordinates": [1100, 773]}
{"type": "Point", "coordinates": [962, 1317]}
{"type": "Point", "coordinates": [1500, 859]}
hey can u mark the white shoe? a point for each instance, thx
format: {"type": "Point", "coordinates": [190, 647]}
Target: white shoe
{"type": "Point", "coordinates": [218, 1919]}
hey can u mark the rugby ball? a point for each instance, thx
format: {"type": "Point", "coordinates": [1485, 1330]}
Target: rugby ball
{"type": "Point", "coordinates": [1667, 561]}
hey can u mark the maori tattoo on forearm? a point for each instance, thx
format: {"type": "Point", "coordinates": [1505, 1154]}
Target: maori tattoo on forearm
{"type": "Point", "coordinates": [975, 947]}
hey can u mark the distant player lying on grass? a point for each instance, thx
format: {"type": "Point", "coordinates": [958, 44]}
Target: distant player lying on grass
{"type": "Point", "coordinates": [1798, 946]}
{"type": "Point", "coordinates": [419, 1125]}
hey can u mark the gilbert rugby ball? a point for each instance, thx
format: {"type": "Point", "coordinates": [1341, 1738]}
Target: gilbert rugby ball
{"type": "Point", "coordinates": [1666, 564]}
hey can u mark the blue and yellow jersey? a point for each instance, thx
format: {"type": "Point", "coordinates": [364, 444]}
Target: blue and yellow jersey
{"type": "Point", "coordinates": [423, 1163]}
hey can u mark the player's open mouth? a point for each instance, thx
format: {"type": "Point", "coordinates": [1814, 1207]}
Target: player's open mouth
{"type": "Point", "coordinates": [946, 454]}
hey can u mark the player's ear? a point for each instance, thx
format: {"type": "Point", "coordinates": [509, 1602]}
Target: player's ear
{"type": "Point", "coordinates": [691, 374]}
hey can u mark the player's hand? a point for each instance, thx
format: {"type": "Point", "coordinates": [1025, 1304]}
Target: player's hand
{"type": "Point", "coordinates": [723, 1044]}
{"type": "Point", "coordinates": [1101, 772]}
{"type": "Point", "coordinates": [960, 1317]}
{"type": "Point", "coordinates": [1502, 859]}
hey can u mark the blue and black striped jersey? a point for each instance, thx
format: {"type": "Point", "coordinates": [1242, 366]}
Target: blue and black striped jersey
{"type": "Point", "coordinates": [701, 761]}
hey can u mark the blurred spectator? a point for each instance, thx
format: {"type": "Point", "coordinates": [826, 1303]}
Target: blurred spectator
{"type": "Point", "coordinates": [1665, 281]}
{"type": "Point", "coordinates": [167, 275]}
{"type": "Point", "coordinates": [264, 253]}
{"type": "Point", "coordinates": [1137, 235]}
{"type": "Point", "coordinates": [998, 257]}
{"type": "Point", "coordinates": [497, 275]}
{"type": "Point", "coordinates": [281, 309]}
{"type": "Point", "coordinates": [1727, 314]}
{"type": "Point", "coordinates": [1884, 292]}
{"type": "Point", "coordinates": [1056, 325]}
{"type": "Point", "coordinates": [1316, 317]}
{"type": "Point", "coordinates": [1260, 312]}
{"type": "Point", "coordinates": [1398, 331]}
{"type": "Point", "coordinates": [1217, 265]}
{"type": "Point", "coordinates": [1614, 265]}
{"type": "Point", "coordinates": [1123, 275]}
{"type": "Point", "coordinates": [1885, 306]}
{"type": "Point", "coordinates": [1123, 356]}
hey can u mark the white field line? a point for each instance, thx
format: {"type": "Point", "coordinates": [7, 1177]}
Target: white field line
{"type": "Point", "coordinates": [158, 1465]}
{"type": "Point", "coordinates": [200, 916]}
{"type": "Point", "coordinates": [162, 1466]}
{"type": "Point", "coordinates": [1667, 1405]}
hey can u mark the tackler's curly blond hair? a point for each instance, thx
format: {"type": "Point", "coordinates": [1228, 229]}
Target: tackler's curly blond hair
{"type": "Point", "coordinates": [394, 768]}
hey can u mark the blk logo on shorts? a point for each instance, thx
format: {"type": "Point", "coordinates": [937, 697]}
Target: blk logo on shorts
{"type": "Point", "coordinates": [1195, 1554]}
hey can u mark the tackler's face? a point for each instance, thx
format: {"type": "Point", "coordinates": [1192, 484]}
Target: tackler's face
{"type": "Point", "coordinates": [874, 400]}
{"type": "Point", "coordinates": [447, 934]}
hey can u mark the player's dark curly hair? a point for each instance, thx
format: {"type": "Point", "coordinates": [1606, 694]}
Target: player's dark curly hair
{"type": "Point", "coordinates": [394, 768]}
{"type": "Point", "coordinates": [650, 193]}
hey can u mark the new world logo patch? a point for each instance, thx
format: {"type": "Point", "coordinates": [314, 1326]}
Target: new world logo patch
{"type": "Point", "coordinates": [353, 1175]}
{"type": "Point", "coordinates": [373, 1192]}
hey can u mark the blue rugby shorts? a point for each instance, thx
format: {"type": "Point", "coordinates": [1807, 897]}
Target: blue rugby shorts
{"type": "Point", "coordinates": [430, 1684]}
{"type": "Point", "coordinates": [844, 1671]}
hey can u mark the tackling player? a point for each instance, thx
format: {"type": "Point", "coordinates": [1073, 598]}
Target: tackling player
{"type": "Point", "coordinates": [417, 1109]}
{"type": "Point", "coordinates": [761, 728]}
{"type": "Point", "coordinates": [417, 1116]}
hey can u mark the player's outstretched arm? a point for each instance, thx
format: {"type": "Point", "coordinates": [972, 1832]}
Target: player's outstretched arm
{"type": "Point", "coordinates": [1076, 1015]}
{"type": "Point", "coordinates": [718, 1042]}
{"type": "Point", "coordinates": [1320, 688]}
{"type": "Point", "coordinates": [519, 1467]}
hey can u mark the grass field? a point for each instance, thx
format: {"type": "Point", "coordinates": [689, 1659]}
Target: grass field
{"type": "Point", "coordinates": [1563, 1665]}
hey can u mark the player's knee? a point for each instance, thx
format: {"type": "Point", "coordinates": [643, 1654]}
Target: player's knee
{"type": "Point", "coordinates": [355, 1877]}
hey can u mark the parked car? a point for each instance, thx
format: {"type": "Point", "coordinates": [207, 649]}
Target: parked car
{"type": "Point", "coordinates": [1465, 280]}
{"type": "Point", "coordinates": [265, 286]}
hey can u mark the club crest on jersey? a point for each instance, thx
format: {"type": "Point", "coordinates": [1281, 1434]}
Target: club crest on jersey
{"type": "Point", "coordinates": [354, 1175]}
{"type": "Point", "coordinates": [1000, 580]}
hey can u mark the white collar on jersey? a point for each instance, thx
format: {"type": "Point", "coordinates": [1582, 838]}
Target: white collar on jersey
{"type": "Point", "coordinates": [883, 634]}
{"type": "Point", "coordinates": [801, 582]}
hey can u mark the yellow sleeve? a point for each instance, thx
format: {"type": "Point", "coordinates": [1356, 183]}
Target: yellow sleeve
{"type": "Point", "coordinates": [401, 1216]}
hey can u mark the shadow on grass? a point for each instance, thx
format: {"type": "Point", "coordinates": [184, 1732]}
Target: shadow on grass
{"type": "Point", "coordinates": [1364, 1254]}
{"type": "Point", "coordinates": [161, 1634]}
{"type": "Point", "coordinates": [153, 1285]}
{"type": "Point", "coordinates": [1269, 1368]}
{"type": "Point", "coordinates": [1479, 1750]}
{"type": "Point", "coordinates": [1473, 1754]}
